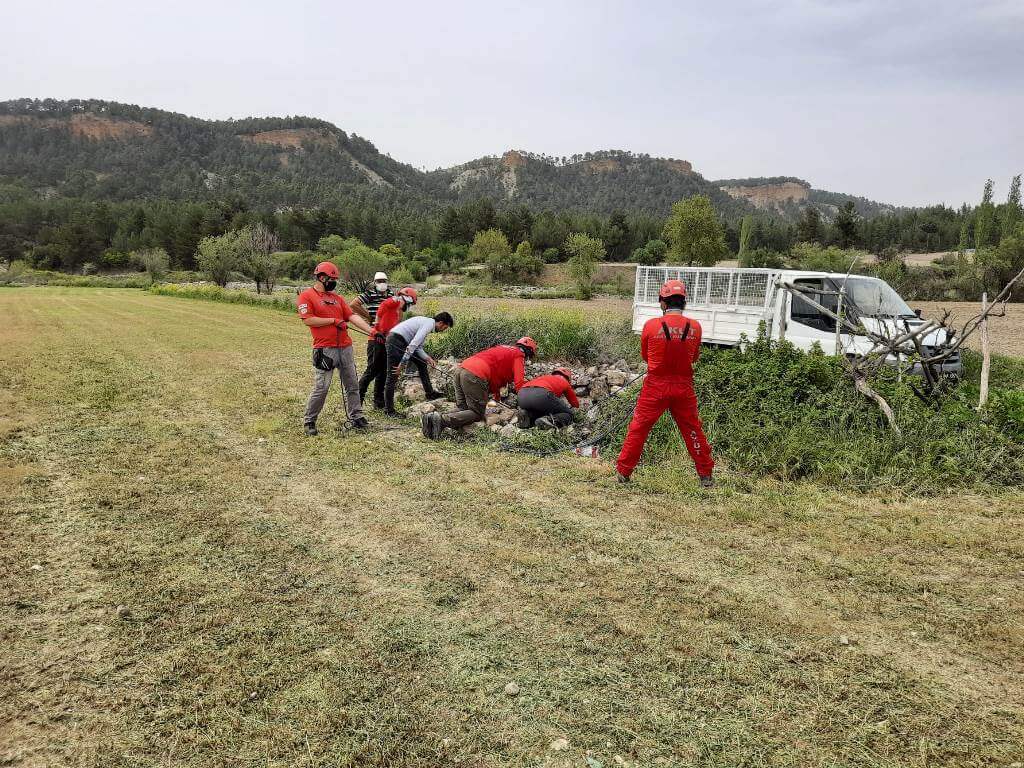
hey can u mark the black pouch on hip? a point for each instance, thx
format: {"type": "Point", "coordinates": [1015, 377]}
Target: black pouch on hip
{"type": "Point", "coordinates": [322, 361]}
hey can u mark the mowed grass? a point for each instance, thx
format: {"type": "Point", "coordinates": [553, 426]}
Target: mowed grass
{"type": "Point", "coordinates": [364, 600]}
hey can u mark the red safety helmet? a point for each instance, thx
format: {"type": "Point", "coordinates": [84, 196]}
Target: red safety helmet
{"type": "Point", "coordinates": [672, 288]}
{"type": "Point", "coordinates": [410, 292]}
{"type": "Point", "coordinates": [326, 268]}
{"type": "Point", "coordinates": [529, 343]}
{"type": "Point", "coordinates": [564, 372]}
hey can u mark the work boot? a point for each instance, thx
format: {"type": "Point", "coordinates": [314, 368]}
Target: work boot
{"type": "Point", "coordinates": [436, 426]}
{"type": "Point", "coordinates": [621, 477]}
{"type": "Point", "coordinates": [707, 481]}
{"type": "Point", "coordinates": [310, 430]}
{"type": "Point", "coordinates": [523, 418]}
{"type": "Point", "coordinates": [425, 424]}
{"type": "Point", "coordinates": [544, 422]}
{"type": "Point", "coordinates": [394, 414]}
{"type": "Point", "coordinates": [435, 396]}
{"type": "Point", "coordinates": [361, 423]}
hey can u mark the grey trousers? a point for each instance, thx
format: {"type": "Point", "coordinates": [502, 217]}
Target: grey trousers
{"type": "Point", "coordinates": [471, 396]}
{"type": "Point", "coordinates": [345, 365]}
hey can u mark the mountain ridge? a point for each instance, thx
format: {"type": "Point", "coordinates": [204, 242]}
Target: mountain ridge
{"type": "Point", "coordinates": [117, 151]}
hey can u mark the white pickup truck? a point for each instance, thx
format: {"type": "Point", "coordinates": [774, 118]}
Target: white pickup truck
{"type": "Point", "coordinates": [731, 303]}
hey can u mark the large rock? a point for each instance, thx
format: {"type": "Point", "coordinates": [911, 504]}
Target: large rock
{"type": "Point", "coordinates": [413, 390]}
{"type": "Point", "coordinates": [500, 414]}
{"type": "Point", "coordinates": [616, 377]}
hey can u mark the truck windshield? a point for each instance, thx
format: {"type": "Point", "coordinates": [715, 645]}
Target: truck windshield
{"type": "Point", "coordinates": [875, 298]}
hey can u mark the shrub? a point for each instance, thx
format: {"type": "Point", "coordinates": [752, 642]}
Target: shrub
{"type": "Point", "coordinates": [113, 260]}
{"type": "Point", "coordinates": [215, 293]}
{"type": "Point", "coordinates": [504, 266]}
{"type": "Point", "coordinates": [762, 258]}
{"type": "Point", "coordinates": [551, 256]}
{"type": "Point", "coordinates": [153, 261]}
{"type": "Point", "coordinates": [298, 265]}
{"type": "Point", "coordinates": [220, 256]}
{"type": "Point", "coordinates": [356, 261]}
{"type": "Point", "coordinates": [812, 256]}
{"type": "Point", "coordinates": [560, 334]}
{"type": "Point", "coordinates": [585, 251]}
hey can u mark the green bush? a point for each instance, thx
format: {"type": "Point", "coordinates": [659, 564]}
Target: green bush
{"type": "Point", "coordinates": [216, 293]}
{"type": "Point", "coordinates": [560, 334]}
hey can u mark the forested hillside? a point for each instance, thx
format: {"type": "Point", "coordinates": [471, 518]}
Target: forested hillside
{"type": "Point", "coordinates": [107, 151]}
{"type": "Point", "coordinates": [601, 182]}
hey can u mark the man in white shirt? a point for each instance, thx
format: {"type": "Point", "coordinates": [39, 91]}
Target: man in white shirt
{"type": "Point", "coordinates": [405, 345]}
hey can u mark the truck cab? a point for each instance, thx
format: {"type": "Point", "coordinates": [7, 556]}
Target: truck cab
{"type": "Point", "coordinates": [731, 304]}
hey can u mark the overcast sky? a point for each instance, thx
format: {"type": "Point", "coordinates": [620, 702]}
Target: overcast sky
{"type": "Point", "coordinates": [903, 101]}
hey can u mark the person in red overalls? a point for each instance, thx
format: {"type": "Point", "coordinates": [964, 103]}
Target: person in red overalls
{"type": "Point", "coordinates": [670, 345]}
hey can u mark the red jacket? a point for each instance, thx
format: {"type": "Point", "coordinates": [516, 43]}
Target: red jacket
{"type": "Point", "coordinates": [559, 386]}
{"type": "Point", "coordinates": [498, 366]}
{"type": "Point", "coordinates": [312, 303]}
{"type": "Point", "coordinates": [389, 312]}
{"type": "Point", "coordinates": [676, 354]}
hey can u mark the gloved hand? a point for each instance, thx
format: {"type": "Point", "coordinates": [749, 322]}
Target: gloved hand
{"type": "Point", "coordinates": [379, 337]}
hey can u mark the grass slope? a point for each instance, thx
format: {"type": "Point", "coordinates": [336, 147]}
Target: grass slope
{"type": "Point", "coordinates": [364, 600]}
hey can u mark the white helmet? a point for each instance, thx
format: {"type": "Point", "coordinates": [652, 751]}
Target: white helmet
{"type": "Point", "coordinates": [380, 276]}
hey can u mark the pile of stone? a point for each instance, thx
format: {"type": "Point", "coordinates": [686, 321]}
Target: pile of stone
{"type": "Point", "coordinates": [592, 384]}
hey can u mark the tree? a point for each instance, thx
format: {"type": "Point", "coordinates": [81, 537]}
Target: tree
{"type": "Point", "coordinates": [809, 228]}
{"type": "Point", "coordinates": [650, 254]}
{"type": "Point", "coordinates": [219, 256]}
{"type": "Point", "coordinates": [154, 260]}
{"type": "Point", "coordinates": [846, 224]}
{"type": "Point", "coordinates": [258, 244]}
{"type": "Point", "coordinates": [356, 261]}
{"type": "Point", "coordinates": [985, 231]}
{"type": "Point", "coordinates": [694, 232]}
{"type": "Point", "coordinates": [746, 235]}
{"type": "Point", "coordinates": [1012, 213]}
{"type": "Point", "coordinates": [584, 254]}
{"type": "Point", "coordinates": [492, 248]}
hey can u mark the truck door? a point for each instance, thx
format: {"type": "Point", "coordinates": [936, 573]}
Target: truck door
{"type": "Point", "coordinates": [808, 324]}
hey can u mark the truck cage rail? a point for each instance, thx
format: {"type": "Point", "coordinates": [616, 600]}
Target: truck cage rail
{"type": "Point", "coordinates": [745, 290]}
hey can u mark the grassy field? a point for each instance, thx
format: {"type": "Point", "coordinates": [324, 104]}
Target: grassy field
{"type": "Point", "coordinates": [187, 581]}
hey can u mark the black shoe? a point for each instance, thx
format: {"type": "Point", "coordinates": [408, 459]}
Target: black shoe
{"type": "Point", "coordinates": [361, 423]}
{"type": "Point", "coordinates": [435, 396]}
{"type": "Point", "coordinates": [310, 429]}
{"type": "Point", "coordinates": [544, 422]}
{"type": "Point", "coordinates": [394, 414]}
{"type": "Point", "coordinates": [621, 477]}
{"type": "Point", "coordinates": [434, 426]}
{"type": "Point", "coordinates": [707, 481]}
{"type": "Point", "coordinates": [523, 419]}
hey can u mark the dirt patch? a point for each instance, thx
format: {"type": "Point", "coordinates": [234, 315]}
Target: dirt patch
{"type": "Point", "coordinates": [86, 125]}
{"type": "Point", "coordinates": [292, 138]}
{"type": "Point", "coordinates": [770, 195]}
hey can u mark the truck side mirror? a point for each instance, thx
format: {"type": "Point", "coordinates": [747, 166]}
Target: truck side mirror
{"type": "Point", "coordinates": [919, 312]}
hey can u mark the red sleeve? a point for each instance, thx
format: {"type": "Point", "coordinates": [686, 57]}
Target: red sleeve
{"type": "Point", "coordinates": [304, 305]}
{"type": "Point", "coordinates": [346, 310]}
{"type": "Point", "coordinates": [518, 372]}
{"type": "Point", "coordinates": [570, 395]}
{"type": "Point", "coordinates": [495, 390]}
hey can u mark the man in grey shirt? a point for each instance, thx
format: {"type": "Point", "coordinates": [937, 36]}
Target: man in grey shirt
{"type": "Point", "coordinates": [405, 345]}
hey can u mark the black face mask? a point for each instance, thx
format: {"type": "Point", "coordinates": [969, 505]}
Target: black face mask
{"type": "Point", "coordinates": [329, 284]}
